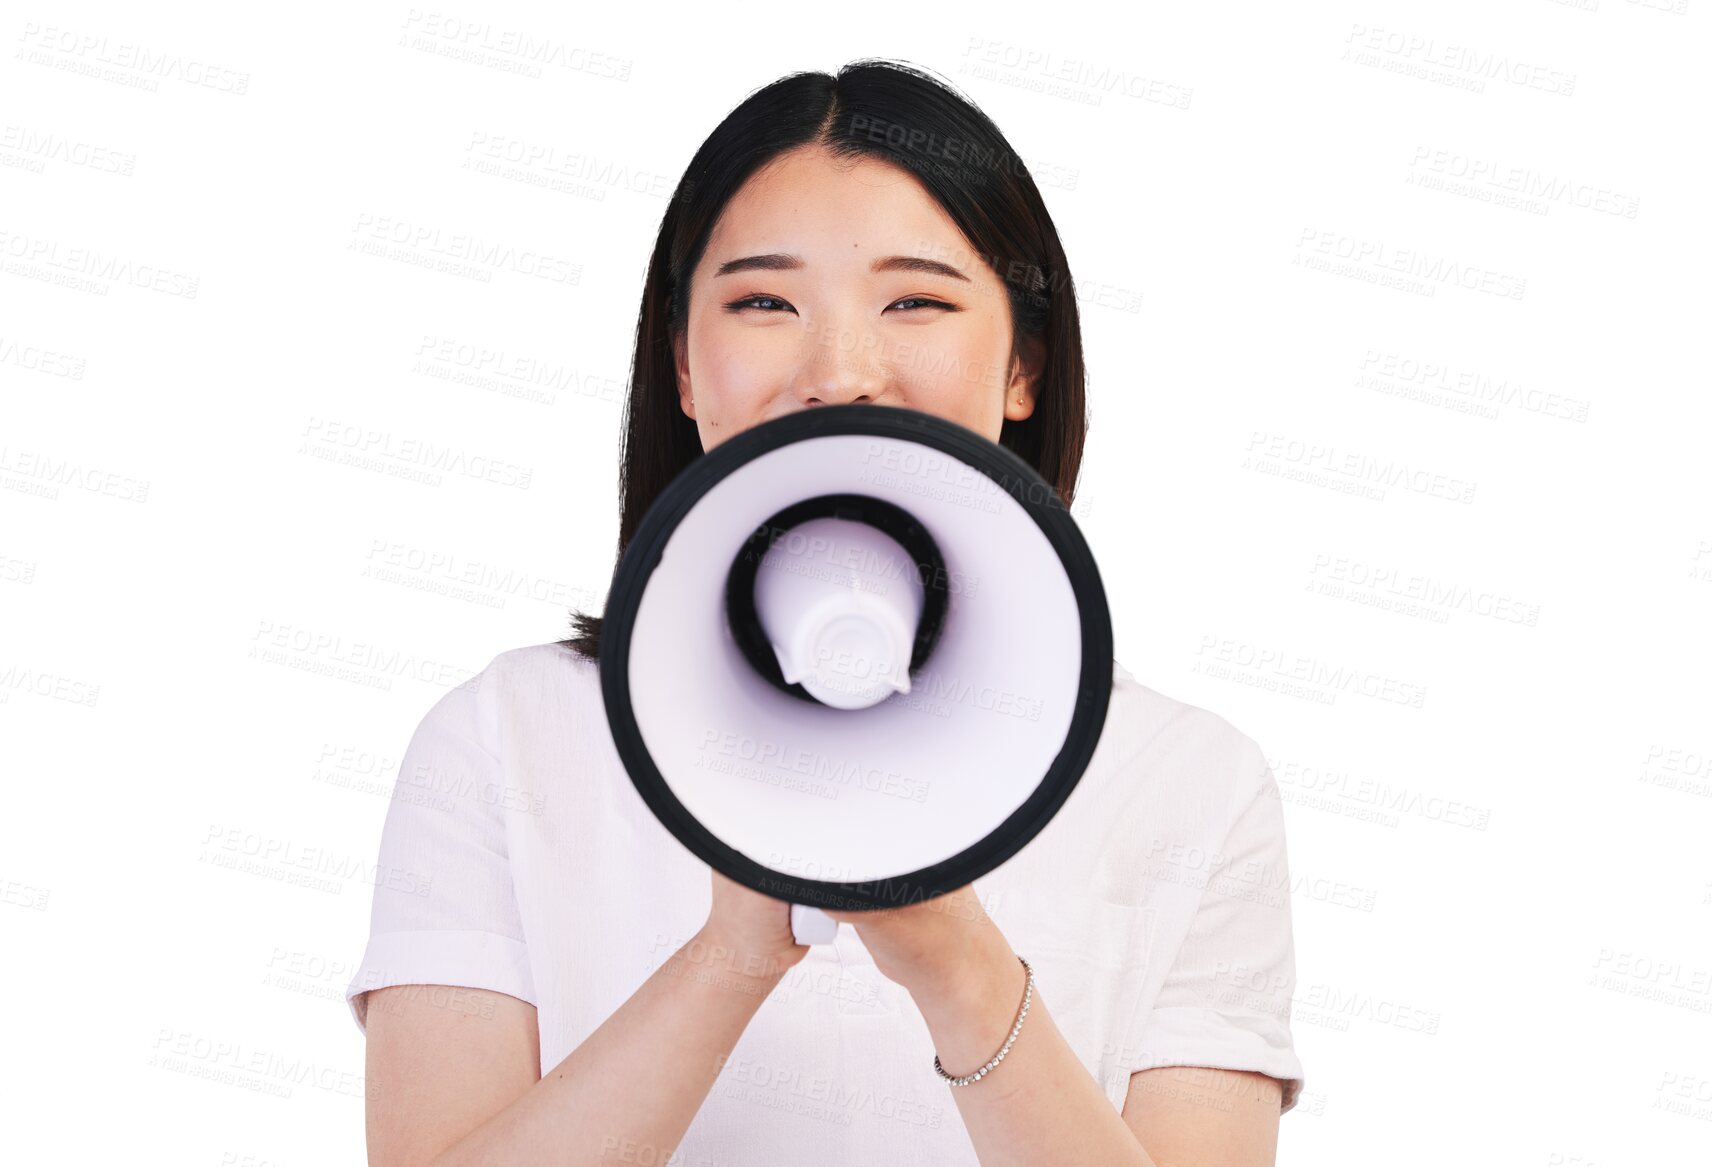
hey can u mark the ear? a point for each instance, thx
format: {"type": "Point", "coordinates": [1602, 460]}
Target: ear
{"type": "Point", "coordinates": [681, 357]}
{"type": "Point", "coordinates": [1025, 379]}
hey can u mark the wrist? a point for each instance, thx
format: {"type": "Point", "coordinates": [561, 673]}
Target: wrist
{"type": "Point", "coordinates": [711, 951]}
{"type": "Point", "coordinates": [971, 979]}
{"type": "Point", "coordinates": [976, 1014]}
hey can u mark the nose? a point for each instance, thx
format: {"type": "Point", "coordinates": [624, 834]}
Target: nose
{"type": "Point", "coordinates": [840, 369]}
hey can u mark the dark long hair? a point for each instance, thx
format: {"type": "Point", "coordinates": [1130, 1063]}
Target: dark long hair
{"type": "Point", "coordinates": [898, 114]}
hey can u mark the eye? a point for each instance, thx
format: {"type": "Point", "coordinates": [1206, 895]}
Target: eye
{"type": "Point", "coordinates": [754, 302]}
{"type": "Point", "coordinates": [757, 303]}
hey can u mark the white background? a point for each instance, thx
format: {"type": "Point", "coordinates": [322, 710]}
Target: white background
{"type": "Point", "coordinates": [216, 635]}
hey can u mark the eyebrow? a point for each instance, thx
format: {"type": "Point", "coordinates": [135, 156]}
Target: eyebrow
{"type": "Point", "coordinates": [778, 262]}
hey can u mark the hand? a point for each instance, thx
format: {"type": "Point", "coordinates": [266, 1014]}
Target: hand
{"type": "Point", "coordinates": [938, 949]}
{"type": "Point", "coordinates": [750, 933]}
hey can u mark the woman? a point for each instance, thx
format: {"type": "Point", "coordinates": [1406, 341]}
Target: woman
{"type": "Point", "coordinates": [551, 977]}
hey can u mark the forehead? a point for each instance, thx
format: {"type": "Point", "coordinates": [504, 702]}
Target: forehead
{"type": "Point", "coordinates": [835, 212]}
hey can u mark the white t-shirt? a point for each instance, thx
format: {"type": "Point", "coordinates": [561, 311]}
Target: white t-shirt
{"type": "Point", "coordinates": [1155, 908]}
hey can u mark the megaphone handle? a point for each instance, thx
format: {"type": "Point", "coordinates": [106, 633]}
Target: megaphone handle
{"type": "Point", "coordinates": [811, 925]}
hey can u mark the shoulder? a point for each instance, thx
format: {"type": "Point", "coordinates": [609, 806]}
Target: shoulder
{"type": "Point", "coordinates": [518, 682]}
{"type": "Point", "coordinates": [532, 668]}
{"type": "Point", "coordinates": [1184, 746]}
{"type": "Point", "coordinates": [551, 655]}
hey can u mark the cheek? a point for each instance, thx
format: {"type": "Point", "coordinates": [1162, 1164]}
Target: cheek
{"type": "Point", "coordinates": [731, 370]}
{"type": "Point", "coordinates": [963, 365]}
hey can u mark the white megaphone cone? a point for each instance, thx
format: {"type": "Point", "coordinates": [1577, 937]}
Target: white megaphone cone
{"type": "Point", "coordinates": [855, 657]}
{"type": "Point", "coordinates": [839, 601]}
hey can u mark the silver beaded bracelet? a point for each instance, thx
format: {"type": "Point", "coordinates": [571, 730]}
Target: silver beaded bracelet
{"type": "Point", "coordinates": [968, 1079]}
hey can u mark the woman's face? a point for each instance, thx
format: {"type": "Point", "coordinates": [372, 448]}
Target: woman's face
{"type": "Point", "coordinates": [787, 309]}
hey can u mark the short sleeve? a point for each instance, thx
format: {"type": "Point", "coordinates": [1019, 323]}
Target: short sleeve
{"type": "Point", "coordinates": [445, 910]}
{"type": "Point", "coordinates": [1225, 1003]}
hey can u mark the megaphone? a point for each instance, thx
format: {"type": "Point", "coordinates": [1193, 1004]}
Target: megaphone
{"type": "Point", "coordinates": [856, 657]}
